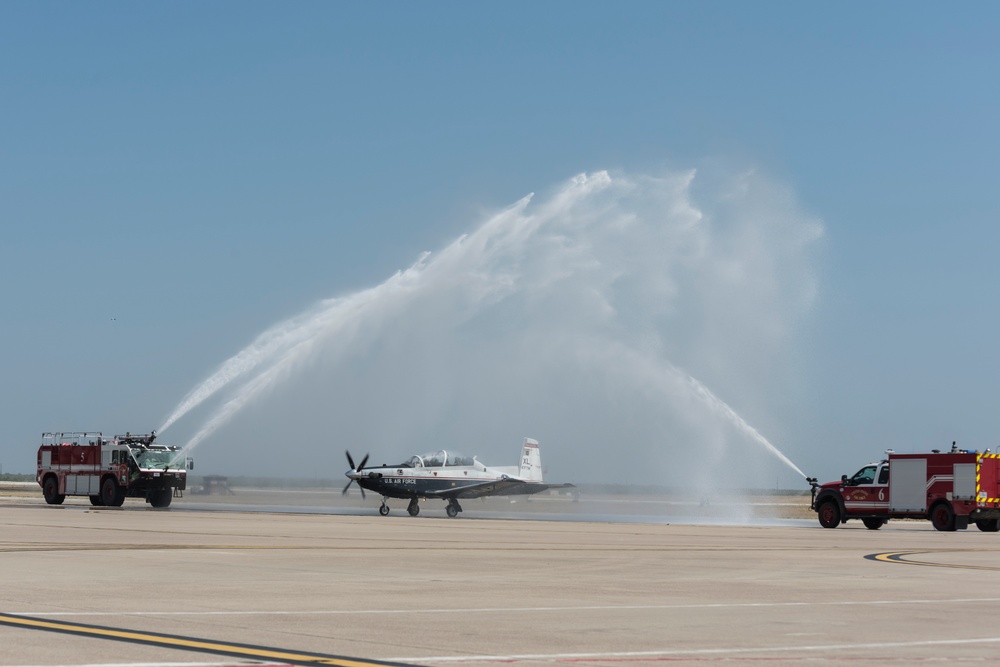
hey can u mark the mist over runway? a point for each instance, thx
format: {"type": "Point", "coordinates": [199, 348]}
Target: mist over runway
{"type": "Point", "coordinates": [657, 509]}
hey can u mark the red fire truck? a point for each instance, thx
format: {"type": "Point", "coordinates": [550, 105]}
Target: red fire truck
{"type": "Point", "coordinates": [84, 463]}
{"type": "Point", "coordinates": [951, 489]}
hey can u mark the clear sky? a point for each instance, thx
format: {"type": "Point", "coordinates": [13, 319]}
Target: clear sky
{"type": "Point", "coordinates": [799, 216]}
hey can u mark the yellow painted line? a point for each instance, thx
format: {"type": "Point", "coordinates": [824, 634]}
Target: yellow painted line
{"type": "Point", "coordinates": [190, 643]}
{"type": "Point", "coordinates": [903, 557]}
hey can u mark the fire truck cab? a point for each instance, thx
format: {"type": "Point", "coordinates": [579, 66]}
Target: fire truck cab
{"type": "Point", "coordinates": [84, 463]}
{"type": "Point", "coordinates": [951, 489]}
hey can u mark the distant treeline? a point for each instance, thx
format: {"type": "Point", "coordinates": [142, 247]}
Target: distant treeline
{"type": "Point", "coordinates": [17, 477]}
{"type": "Point", "coordinates": [268, 482]}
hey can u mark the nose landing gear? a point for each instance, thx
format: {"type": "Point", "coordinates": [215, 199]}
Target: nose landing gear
{"type": "Point", "coordinates": [384, 509]}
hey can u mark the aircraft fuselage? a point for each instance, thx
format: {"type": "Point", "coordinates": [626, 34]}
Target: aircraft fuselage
{"type": "Point", "coordinates": [450, 477]}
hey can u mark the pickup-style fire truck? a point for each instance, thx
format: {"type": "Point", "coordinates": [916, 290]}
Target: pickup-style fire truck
{"type": "Point", "coordinates": [951, 489]}
{"type": "Point", "coordinates": [83, 463]}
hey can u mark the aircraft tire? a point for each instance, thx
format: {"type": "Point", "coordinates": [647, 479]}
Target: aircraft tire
{"type": "Point", "coordinates": [452, 511]}
{"type": "Point", "coordinates": [413, 509]}
{"type": "Point", "coordinates": [383, 510]}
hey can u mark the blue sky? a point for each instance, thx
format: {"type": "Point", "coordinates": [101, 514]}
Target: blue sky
{"type": "Point", "coordinates": [176, 178]}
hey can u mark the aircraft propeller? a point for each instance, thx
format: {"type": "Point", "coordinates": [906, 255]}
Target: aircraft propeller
{"type": "Point", "coordinates": [355, 469]}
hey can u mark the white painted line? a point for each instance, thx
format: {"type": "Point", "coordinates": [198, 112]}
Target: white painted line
{"type": "Point", "coordinates": [493, 610]}
{"type": "Point", "coordinates": [691, 652]}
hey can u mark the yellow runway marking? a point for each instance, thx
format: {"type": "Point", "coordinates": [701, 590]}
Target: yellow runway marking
{"type": "Point", "coordinates": [191, 643]}
{"type": "Point", "coordinates": [903, 557]}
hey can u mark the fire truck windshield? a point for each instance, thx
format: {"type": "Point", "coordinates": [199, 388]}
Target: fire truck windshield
{"type": "Point", "coordinates": [152, 458]}
{"type": "Point", "coordinates": [864, 476]}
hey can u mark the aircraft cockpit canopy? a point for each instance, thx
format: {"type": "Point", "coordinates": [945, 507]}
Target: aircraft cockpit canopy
{"type": "Point", "coordinates": [440, 459]}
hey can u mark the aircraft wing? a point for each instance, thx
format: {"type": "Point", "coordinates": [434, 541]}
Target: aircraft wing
{"type": "Point", "coordinates": [507, 486]}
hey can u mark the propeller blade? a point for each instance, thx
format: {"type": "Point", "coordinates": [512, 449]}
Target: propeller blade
{"type": "Point", "coordinates": [355, 469]}
{"type": "Point", "coordinates": [360, 488]}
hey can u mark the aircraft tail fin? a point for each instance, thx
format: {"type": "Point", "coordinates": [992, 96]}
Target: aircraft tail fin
{"type": "Point", "coordinates": [531, 462]}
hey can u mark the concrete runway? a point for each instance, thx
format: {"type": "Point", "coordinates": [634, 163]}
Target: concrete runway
{"type": "Point", "coordinates": [308, 588]}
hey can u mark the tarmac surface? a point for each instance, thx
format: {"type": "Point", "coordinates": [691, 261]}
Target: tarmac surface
{"type": "Point", "coordinates": [274, 579]}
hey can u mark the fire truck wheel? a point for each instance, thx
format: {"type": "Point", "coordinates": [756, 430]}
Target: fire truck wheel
{"type": "Point", "coordinates": [943, 517]}
{"type": "Point", "coordinates": [50, 489]}
{"type": "Point", "coordinates": [160, 497]}
{"type": "Point", "coordinates": [96, 501]}
{"type": "Point", "coordinates": [111, 494]}
{"type": "Point", "coordinates": [988, 525]}
{"type": "Point", "coordinates": [829, 514]}
{"type": "Point", "coordinates": [873, 524]}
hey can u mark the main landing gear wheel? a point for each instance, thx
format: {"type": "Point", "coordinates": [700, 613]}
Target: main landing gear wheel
{"type": "Point", "coordinates": [383, 510]}
{"type": "Point", "coordinates": [453, 508]}
{"type": "Point", "coordinates": [413, 508]}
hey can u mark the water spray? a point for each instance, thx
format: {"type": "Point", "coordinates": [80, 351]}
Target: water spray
{"type": "Point", "coordinates": [603, 260]}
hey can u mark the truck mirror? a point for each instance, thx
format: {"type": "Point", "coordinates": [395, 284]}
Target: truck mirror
{"type": "Point", "coordinates": [843, 479]}
{"type": "Point", "coordinates": [190, 463]}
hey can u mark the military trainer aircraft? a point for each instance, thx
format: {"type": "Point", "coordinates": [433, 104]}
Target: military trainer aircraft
{"type": "Point", "coordinates": [449, 476]}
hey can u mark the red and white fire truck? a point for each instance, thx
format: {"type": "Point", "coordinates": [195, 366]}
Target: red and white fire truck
{"type": "Point", "coordinates": [84, 463]}
{"type": "Point", "coordinates": [950, 488]}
